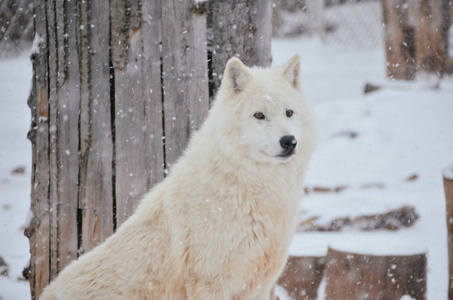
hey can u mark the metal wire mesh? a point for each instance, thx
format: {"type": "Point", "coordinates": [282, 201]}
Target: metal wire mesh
{"type": "Point", "coordinates": [355, 23]}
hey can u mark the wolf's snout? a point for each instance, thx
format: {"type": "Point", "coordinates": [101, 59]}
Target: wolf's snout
{"type": "Point", "coordinates": [288, 142]}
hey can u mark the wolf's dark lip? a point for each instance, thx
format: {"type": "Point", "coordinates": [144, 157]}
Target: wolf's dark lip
{"type": "Point", "coordinates": [287, 154]}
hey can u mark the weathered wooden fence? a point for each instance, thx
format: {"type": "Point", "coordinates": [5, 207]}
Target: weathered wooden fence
{"type": "Point", "coordinates": [118, 88]}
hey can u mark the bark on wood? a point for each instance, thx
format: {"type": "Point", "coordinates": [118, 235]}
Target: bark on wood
{"type": "Point", "coordinates": [351, 276]}
{"type": "Point", "coordinates": [448, 185]}
{"type": "Point", "coordinates": [302, 276]}
{"type": "Point", "coordinates": [38, 230]}
{"type": "Point", "coordinates": [416, 37]}
{"type": "Point", "coordinates": [247, 35]}
{"type": "Point", "coordinates": [185, 81]}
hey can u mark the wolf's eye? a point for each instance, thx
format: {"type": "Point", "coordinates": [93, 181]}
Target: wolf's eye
{"type": "Point", "coordinates": [289, 113]}
{"type": "Point", "coordinates": [259, 116]}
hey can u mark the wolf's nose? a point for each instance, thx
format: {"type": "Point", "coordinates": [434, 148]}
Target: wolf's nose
{"type": "Point", "coordinates": [288, 142]}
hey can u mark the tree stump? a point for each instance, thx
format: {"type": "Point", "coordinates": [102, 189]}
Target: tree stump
{"type": "Point", "coordinates": [351, 276]}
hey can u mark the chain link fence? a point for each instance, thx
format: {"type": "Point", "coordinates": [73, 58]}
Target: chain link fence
{"type": "Point", "coordinates": [351, 22]}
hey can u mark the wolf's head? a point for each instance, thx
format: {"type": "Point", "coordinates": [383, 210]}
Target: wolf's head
{"type": "Point", "coordinates": [262, 112]}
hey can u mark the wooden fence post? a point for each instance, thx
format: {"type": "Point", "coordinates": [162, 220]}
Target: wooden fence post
{"type": "Point", "coordinates": [416, 37]}
{"type": "Point", "coordinates": [448, 185]}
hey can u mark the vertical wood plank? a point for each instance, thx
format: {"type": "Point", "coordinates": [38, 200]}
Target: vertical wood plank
{"type": "Point", "coordinates": [68, 106]}
{"type": "Point", "coordinates": [184, 74]}
{"type": "Point", "coordinates": [257, 48]}
{"type": "Point", "coordinates": [247, 35]}
{"type": "Point", "coordinates": [448, 186]}
{"type": "Point", "coordinates": [130, 113]}
{"type": "Point", "coordinates": [152, 37]}
{"type": "Point", "coordinates": [38, 230]}
{"type": "Point", "coordinates": [52, 46]}
{"type": "Point", "coordinates": [398, 43]}
{"type": "Point", "coordinates": [138, 104]}
{"type": "Point", "coordinates": [234, 32]}
{"type": "Point", "coordinates": [95, 198]}
{"type": "Point", "coordinates": [430, 54]}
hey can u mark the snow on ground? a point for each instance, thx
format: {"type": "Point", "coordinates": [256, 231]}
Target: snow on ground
{"type": "Point", "coordinates": [15, 152]}
{"type": "Point", "coordinates": [401, 130]}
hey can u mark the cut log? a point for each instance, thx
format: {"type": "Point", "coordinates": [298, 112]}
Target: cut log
{"type": "Point", "coordinates": [351, 276]}
{"type": "Point", "coordinates": [302, 276]}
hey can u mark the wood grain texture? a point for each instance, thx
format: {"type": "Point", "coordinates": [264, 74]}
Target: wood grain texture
{"type": "Point", "coordinates": [52, 45]}
{"type": "Point", "coordinates": [351, 276]}
{"type": "Point", "coordinates": [96, 197]}
{"type": "Point", "coordinates": [138, 104]}
{"type": "Point", "coordinates": [38, 230]}
{"type": "Point", "coordinates": [68, 106]}
{"type": "Point", "coordinates": [185, 82]}
{"type": "Point", "coordinates": [152, 89]}
{"type": "Point", "coordinates": [302, 276]}
{"type": "Point", "coordinates": [247, 35]}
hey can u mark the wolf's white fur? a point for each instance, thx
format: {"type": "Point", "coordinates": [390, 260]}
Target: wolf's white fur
{"type": "Point", "coordinates": [219, 226]}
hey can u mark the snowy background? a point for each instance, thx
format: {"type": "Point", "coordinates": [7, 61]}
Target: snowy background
{"type": "Point", "coordinates": [400, 130]}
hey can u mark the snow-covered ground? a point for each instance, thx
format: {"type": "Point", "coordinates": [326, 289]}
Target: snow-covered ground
{"type": "Point", "coordinates": [401, 130]}
{"type": "Point", "coordinates": [15, 152]}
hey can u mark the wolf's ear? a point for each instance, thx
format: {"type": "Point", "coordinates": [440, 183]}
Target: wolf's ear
{"type": "Point", "coordinates": [291, 71]}
{"type": "Point", "coordinates": [236, 75]}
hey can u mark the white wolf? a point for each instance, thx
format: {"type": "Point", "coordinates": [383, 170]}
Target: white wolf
{"type": "Point", "coordinates": [219, 226]}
